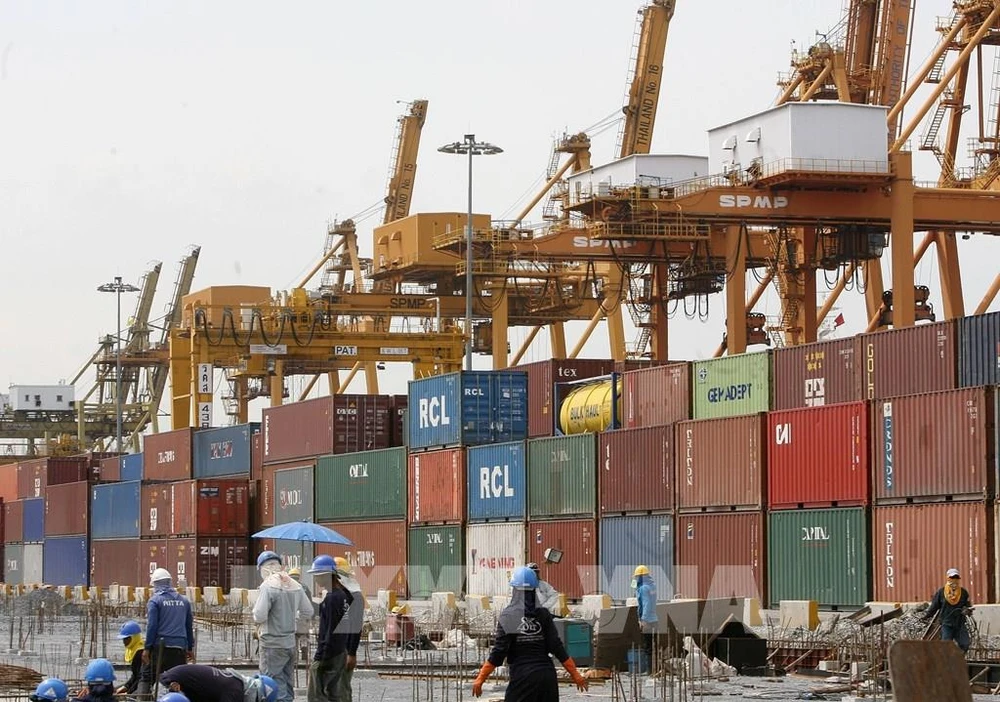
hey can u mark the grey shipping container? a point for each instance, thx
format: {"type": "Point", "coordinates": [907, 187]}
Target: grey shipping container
{"type": "Point", "coordinates": [626, 542]}
{"type": "Point", "coordinates": [562, 477]}
{"type": "Point", "coordinates": [979, 350]}
{"type": "Point", "coordinates": [224, 451]}
{"type": "Point", "coordinates": [361, 486]}
{"type": "Point", "coordinates": [293, 495]}
{"type": "Point", "coordinates": [13, 566]}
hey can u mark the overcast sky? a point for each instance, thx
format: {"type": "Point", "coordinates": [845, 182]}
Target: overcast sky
{"type": "Point", "coordinates": [133, 130]}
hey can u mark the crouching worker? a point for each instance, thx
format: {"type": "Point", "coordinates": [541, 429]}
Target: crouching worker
{"type": "Point", "coordinates": [525, 637]}
{"type": "Point", "coordinates": [204, 683]}
{"type": "Point", "coordinates": [100, 679]}
{"type": "Point", "coordinates": [131, 637]}
{"type": "Point", "coordinates": [50, 690]}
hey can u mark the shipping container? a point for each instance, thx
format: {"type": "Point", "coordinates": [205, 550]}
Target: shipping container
{"type": "Point", "coordinates": [562, 476]}
{"type": "Point", "coordinates": [110, 469]}
{"type": "Point", "coordinates": [818, 457]}
{"type": "Point", "coordinates": [889, 371]}
{"type": "Point", "coordinates": [209, 561]}
{"type": "Point", "coordinates": [66, 561]}
{"type": "Point", "coordinates": [437, 486]}
{"type": "Point", "coordinates": [576, 542]}
{"type": "Point", "coordinates": [720, 463]}
{"type": "Point", "coordinates": [203, 508]}
{"type": "Point", "coordinates": [914, 545]}
{"type": "Point", "coordinates": [361, 486]}
{"type": "Point", "coordinates": [657, 396]}
{"type": "Point", "coordinates": [256, 456]}
{"type": "Point", "coordinates": [627, 542]}
{"type": "Point", "coordinates": [819, 554]}
{"type": "Point", "coordinates": [326, 425]}
{"type": "Point", "coordinates": [67, 509]}
{"type": "Point", "coordinates": [116, 561]}
{"type": "Point", "coordinates": [157, 505]}
{"type": "Point", "coordinates": [497, 481]}
{"type": "Point", "coordinates": [731, 386]}
{"type": "Point", "coordinates": [398, 405]}
{"type": "Point", "coordinates": [224, 451]}
{"type": "Point", "coordinates": [115, 510]}
{"type": "Point", "coordinates": [152, 555]}
{"type": "Point", "coordinates": [636, 468]}
{"type": "Point", "coordinates": [823, 373]}
{"type": "Point", "coordinates": [265, 497]}
{"type": "Point", "coordinates": [131, 468]}
{"type": "Point", "coordinates": [435, 560]}
{"type": "Point", "coordinates": [378, 555]}
{"type": "Point", "coordinates": [13, 564]}
{"type": "Point", "coordinates": [8, 482]}
{"type": "Point", "coordinates": [294, 495]}
{"type": "Point", "coordinates": [467, 408]}
{"type": "Point", "coordinates": [13, 522]}
{"type": "Point", "coordinates": [543, 375]}
{"type": "Point", "coordinates": [721, 555]}
{"type": "Point", "coordinates": [979, 350]}
{"type": "Point", "coordinates": [32, 564]}
{"type": "Point", "coordinates": [69, 469]}
{"type": "Point", "coordinates": [167, 456]}
{"type": "Point", "coordinates": [935, 445]}
{"type": "Point", "coordinates": [34, 520]}
{"type": "Point", "coordinates": [493, 551]}
{"type": "Point", "coordinates": [31, 477]}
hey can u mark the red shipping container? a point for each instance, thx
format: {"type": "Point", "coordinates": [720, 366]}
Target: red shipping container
{"type": "Point", "coordinates": [110, 470]}
{"type": "Point", "coordinates": [117, 561]}
{"type": "Point", "coordinates": [326, 425]}
{"type": "Point", "coordinates": [576, 573]}
{"type": "Point", "coordinates": [437, 486]}
{"type": "Point", "coordinates": [67, 509]}
{"type": "Point", "coordinates": [265, 496]}
{"type": "Point", "coordinates": [542, 375]}
{"type": "Point", "coordinates": [914, 546]}
{"type": "Point", "coordinates": [210, 562]}
{"type": "Point", "coordinates": [168, 456]}
{"type": "Point", "coordinates": [31, 477]}
{"type": "Point", "coordinates": [210, 508]}
{"type": "Point", "coordinates": [72, 469]}
{"type": "Point", "coordinates": [636, 470]}
{"type": "Point", "coordinates": [8, 482]}
{"type": "Point", "coordinates": [657, 395]}
{"type": "Point", "coordinates": [823, 373]}
{"type": "Point", "coordinates": [378, 555]}
{"type": "Point", "coordinates": [721, 555]}
{"type": "Point", "coordinates": [818, 457]}
{"type": "Point", "coordinates": [399, 404]}
{"type": "Point", "coordinates": [910, 361]}
{"type": "Point", "coordinates": [13, 522]}
{"type": "Point", "coordinates": [256, 455]}
{"type": "Point", "coordinates": [157, 504]}
{"type": "Point", "coordinates": [720, 463]}
{"type": "Point", "coordinates": [152, 555]}
{"type": "Point", "coordinates": [936, 445]}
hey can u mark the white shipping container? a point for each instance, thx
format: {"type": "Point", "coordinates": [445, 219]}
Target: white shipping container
{"type": "Point", "coordinates": [494, 551]}
{"type": "Point", "coordinates": [41, 398]}
{"type": "Point", "coordinates": [32, 564]}
{"type": "Point", "coordinates": [647, 170]}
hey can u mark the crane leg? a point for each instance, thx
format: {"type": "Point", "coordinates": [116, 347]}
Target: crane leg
{"type": "Point", "coordinates": [616, 323]}
{"type": "Point", "coordinates": [736, 292]}
{"type": "Point", "coordinates": [278, 384]}
{"type": "Point", "coordinates": [990, 295]}
{"type": "Point", "coordinates": [658, 350]}
{"type": "Point", "coordinates": [557, 338]}
{"type": "Point", "coordinates": [500, 310]}
{"type": "Point", "coordinates": [527, 345]}
{"type": "Point", "coordinates": [951, 275]}
{"type": "Point", "coordinates": [903, 302]}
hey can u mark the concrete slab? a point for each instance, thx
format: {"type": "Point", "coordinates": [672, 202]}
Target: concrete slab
{"type": "Point", "coordinates": [799, 614]}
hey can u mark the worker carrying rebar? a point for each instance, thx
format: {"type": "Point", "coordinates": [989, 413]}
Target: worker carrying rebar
{"type": "Point", "coordinates": [131, 637]}
{"type": "Point", "coordinates": [645, 595]}
{"type": "Point", "coordinates": [525, 636]}
{"type": "Point", "coordinates": [169, 630]}
{"type": "Point", "coordinates": [955, 605]}
{"type": "Point", "coordinates": [205, 683]}
{"type": "Point", "coordinates": [335, 643]}
{"type": "Point", "coordinates": [546, 594]}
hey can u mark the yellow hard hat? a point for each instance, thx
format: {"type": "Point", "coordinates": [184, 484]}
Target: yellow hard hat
{"type": "Point", "coordinates": [295, 572]}
{"type": "Point", "coordinates": [343, 566]}
{"type": "Point", "coordinates": [640, 570]}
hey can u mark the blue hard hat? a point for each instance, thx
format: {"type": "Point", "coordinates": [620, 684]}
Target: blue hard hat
{"type": "Point", "coordinates": [129, 629]}
{"type": "Point", "coordinates": [524, 578]}
{"type": "Point", "coordinates": [99, 670]}
{"type": "Point", "coordinates": [268, 688]}
{"type": "Point", "coordinates": [51, 689]}
{"type": "Point", "coordinates": [173, 697]}
{"type": "Point", "coordinates": [267, 556]}
{"type": "Point", "coordinates": [324, 564]}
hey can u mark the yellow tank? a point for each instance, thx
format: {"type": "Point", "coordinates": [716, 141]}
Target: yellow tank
{"type": "Point", "coordinates": [588, 408]}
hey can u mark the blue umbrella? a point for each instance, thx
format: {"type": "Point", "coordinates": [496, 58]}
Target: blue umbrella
{"type": "Point", "coordinates": [303, 531]}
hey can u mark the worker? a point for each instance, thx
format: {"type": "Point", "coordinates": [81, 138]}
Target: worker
{"type": "Point", "coordinates": [954, 603]}
{"type": "Point", "coordinates": [169, 630]}
{"type": "Point", "coordinates": [280, 601]}
{"type": "Point", "coordinates": [302, 624]}
{"type": "Point", "coordinates": [173, 697]}
{"type": "Point", "coordinates": [356, 620]}
{"type": "Point", "coordinates": [100, 679]}
{"type": "Point", "coordinates": [525, 636]}
{"type": "Point", "coordinates": [333, 642]}
{"type": "Point", "coordinates": [205, 683]}
{"type": "Point", "coordinates": [50, 690]}
{"type": "Point", "coordinates": [131, 637]}
{"type": "Point", "coordinates": [645, 595]}
{"type": "Point", "coordinates": [546, 594]}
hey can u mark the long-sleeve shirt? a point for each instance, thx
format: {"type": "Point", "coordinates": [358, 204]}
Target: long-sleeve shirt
{"type": "Point", "coordinates": [524, 639]}
{"type": "Point", "coordinates": [203, 683]}
{"type": "Point", "coordinates": [645, 594]}
{"type": "Point", "coordinates": [169, 619]}
{"type": "Point", "coordinates": [333, 637]}
{"type": "Point", "coordinates": [279, 601]}
{"type": "Point", "coordinates": [951, 614]}
{"type": "Point", "coordinates": [547, 597]}
{"type": "Point", "coordinates": [133, 656]}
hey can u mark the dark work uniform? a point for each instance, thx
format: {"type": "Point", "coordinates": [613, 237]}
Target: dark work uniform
{"type": "Point", "coordinates": [525, 637]}
{"type": "Point", "coordinates": [203, 683]}
{"type": "Point", "coordinates": [170, 624]}
{"type": "Point", "coordinates": [98, 693]}
{"type": "Point", "coordinates": [332, 645]}
{"type": "Point", "coordinates": [135, 668]}
{"type": "Point", "coordinates": [952, 617]}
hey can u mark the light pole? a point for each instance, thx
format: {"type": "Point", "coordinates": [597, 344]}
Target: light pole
{"type": "Point", "coordinates": [473, 148]}
{"type": "Point", "coordinates": [118, 287]}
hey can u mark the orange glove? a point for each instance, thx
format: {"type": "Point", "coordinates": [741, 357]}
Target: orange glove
{"type": "Point", "coordinates": [578, 680]}
{"type": "Point", "coordinates": [484, 672]}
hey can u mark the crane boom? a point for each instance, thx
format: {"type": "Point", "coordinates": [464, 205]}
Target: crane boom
{"type": "Point", "coordinates": [404, 167]}
{"type": "Point", "coordinates": [644, 91]}
{"type": "Point", "coordinates": [891, 60]}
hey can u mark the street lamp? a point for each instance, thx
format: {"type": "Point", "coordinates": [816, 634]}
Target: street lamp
{"type": "Point", "coordinates": [473, 148]}
{"type": "Point", "coordinates": [118, 287]}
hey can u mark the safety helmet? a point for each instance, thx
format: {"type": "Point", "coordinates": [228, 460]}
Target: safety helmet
{"type": "Point", "coordinates": [344, 566]}
{"type": "Point", "coordinates": [129, 629]}
{"type": "Point", "coordinates": [159, 575]}
{"type": "Point", "coordinates": [534, 567]}
{"type": "Point", "coordinates": [295, 572]}
{"type": "Point", "coordinates": [99, 670]}
{"type": "Point", "coordinates": [174, 697]}
{"type": "Point", "coordinates": [524, 578]}
{"type": "Point", "coordinates": [640, 570]}
{"type": "Point", "coordinates": [51, 689]}
{"type": "Point", "coordinates": [324, 564]}
{"type": "Point", "coordinates": [266, 557]}
{"type": "Point", "coordinates": [268, 688]}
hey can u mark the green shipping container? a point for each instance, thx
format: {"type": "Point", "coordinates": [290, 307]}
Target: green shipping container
{"type": "Point", "coordinates": [819, 554]}
{"type": "Point", "coordinates": [435, 561]}
{"type": "Point", "coordinates": [562, 476]}
{"type": "Point", "coordinates": [732, 386]}
{"type": "Point", "coordinates": [361, 486]}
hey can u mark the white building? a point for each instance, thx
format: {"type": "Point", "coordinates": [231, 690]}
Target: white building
{"type": "Point", "coordinates": [41, 398]}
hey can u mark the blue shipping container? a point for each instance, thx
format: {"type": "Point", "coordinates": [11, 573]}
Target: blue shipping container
{"type": "Point", "coordinates": [66, 561]}
{"type": "Point", "coordinates": [131, 467]}
{"type": "Point", "coordinates": [468, 409]}
{"type": "Point", "coordinates": [979, 350]}
{"type": "Point", "coordinates": [497, 482]}
{"type": "Point", "coordinates": [34, 520]}
{"type": "Point", "coordinates": [628, 541]}
{"type": "Point", "coordinates": [114, 510]}
{"type": "Point", "coordinates": [223, 451]}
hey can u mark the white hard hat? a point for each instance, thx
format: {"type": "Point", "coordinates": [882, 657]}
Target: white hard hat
{"type": "Point", "coordinates": [159, 575]}
{"type": "Point", "coordinates": [953, 572]}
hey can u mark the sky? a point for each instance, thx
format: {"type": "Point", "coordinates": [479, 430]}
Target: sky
{"type": "Point", "coordinates": [132, 131]}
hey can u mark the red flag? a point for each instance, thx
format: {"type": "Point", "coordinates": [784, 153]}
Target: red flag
{"type": "Point", "coordinates": [839, 320]}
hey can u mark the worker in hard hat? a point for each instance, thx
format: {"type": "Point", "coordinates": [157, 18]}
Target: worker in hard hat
{"type": "Point", "coordinates": [525, 636]}
{"type": "Point", "coordinates": [204, 683]}
{"type": "Point", "coordinates": [280, 601]}
{"type": "Point", "coordinates": [334, 644]}
{"type": "Point", "coordinates": [130, 635]}
{"type": "Point", "coordinates": [100, 680]}
{"type": "Point", "coordinates": [50, 690]}
{"type": "Point", "coordinates": [545, 594]}
{"type": "Point", "coordinates": [356, 619]}
{"type": "Point", "coordinates": [645, 595]}
{"type": "Point", "coordinates": [954, 604]}
{"type": "Point", "coordinates": [169, 630]}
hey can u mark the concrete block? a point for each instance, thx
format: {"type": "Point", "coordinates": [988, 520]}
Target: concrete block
{"type": "Point", "coordinates": [193, 594]}
{"type": "Point", "coordinates": [476, 605]}
{"type": "Point", "coordinates": [213, 596]}
{"type": "Point", "coordinates": [142, 594]}
{"type": "Point", "coordinates": [64, 591]}
{"type": "Point", "coordinates": [252, 596]}
{"type": "Point", "coordinates": [830, 666]}
{"type": "Point", "coordinates": [591, 606]}
{"type": "Point", "coordinates": [799, 613]}
{"type": "Point", "coordinates": [386, 599]}
{"type": "Point", "coordinates": [751, 612]}
{"type": "Point", "coordinates": [859, 668]}
{"type": "Point", "coordinates": [987, 618]}
{"type": "Point", "coordinates": [237, 597]}
{"type": "Point", "coordinates": [96, 594]}
{"type": "Point", "coordinates": [81, 594]}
